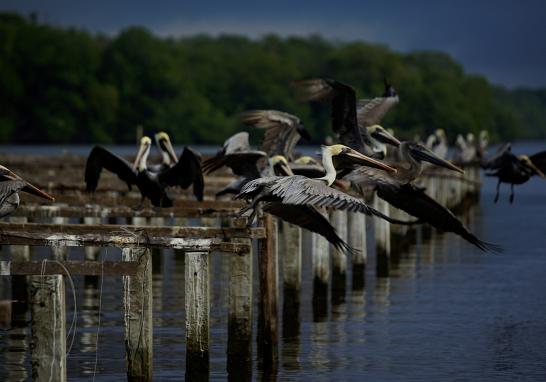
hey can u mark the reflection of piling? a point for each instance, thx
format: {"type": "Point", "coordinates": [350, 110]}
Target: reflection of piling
{"type": "Point", "coordinates": [267, 309]}
{"type": "Point", "coordinates": [138, 315]}
{"type": "Point", "coordinates": [357, 239]}
{"type": "Point", "coordinates": [338, 220]}
{"type": "Point", "coordinates": [48, 325]}
{"type": "Point", "coordinates": [91, 253]}
{"type": "Point", "coordinates": [197, 315]}
{"type": "Point", "coordinates": [382, 238]}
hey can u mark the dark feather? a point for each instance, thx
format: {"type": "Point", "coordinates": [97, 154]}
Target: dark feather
{"type": "Point", "coordinates": [185, 172]}
{"type": "Point", "coordinates": [100, 158]}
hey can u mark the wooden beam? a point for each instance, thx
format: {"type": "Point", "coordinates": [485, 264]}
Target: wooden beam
{"type": "Point", "coordinates": [88, 268]}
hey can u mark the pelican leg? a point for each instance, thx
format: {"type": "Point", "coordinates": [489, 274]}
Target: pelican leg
{"type": "Point", "coordinates": [511, 193]}
{"type": "Point", "coordinates": [497, 194]}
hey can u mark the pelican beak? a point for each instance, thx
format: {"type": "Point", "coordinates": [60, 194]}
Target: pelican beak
{"type": "Point", "coordinates": [385, 137]}
{"type": "Point", "coordinates": [285, 169]}
{"type": "Point", "coordinates": [29, 188]}
{"type": "Point", "coordinates": [365, 160]}
{"type": "Point", "coordinates": [167, 147]}
{"type": "Point", "coordinates": [531, 165]}
{"type": "Point", "coordinates": [422, 153]}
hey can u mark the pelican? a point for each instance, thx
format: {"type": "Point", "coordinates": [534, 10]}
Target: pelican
{"type": "Point", "coordinates": [379, 139]}
{"type": "Point", "coordinates": [10, 185]}
{"type": "Point", "coordinates": [437, 143]}
{"type": "Point", "coordinates": [289, 194]}
{"type": "Point", "coordinates": [240, 158]}
{"type": "Point", "coordinates": [152, 185]}
{"type": "Point", "coordinates": [512, 169]}
{"type": "Point", "coordinates": [283, 131]}
{"type": "Point", "coordinates": [467, 148]}
{"type": "Point", "coordinates": [168, 156]}
{"type": "Point", "coordinates": [483, 142]}
{"type": "Point", "coordinates": [397, 190]}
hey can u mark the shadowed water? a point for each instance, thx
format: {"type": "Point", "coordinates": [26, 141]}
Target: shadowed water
{"type": "Point", "coordinates": [447, 312]}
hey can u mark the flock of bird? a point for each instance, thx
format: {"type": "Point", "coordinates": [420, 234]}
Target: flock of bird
{"type": "Point", "coordinates": [297, 189]}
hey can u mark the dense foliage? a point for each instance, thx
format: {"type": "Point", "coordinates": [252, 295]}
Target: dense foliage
{"type": "Point", "coordinates": [69, 86]}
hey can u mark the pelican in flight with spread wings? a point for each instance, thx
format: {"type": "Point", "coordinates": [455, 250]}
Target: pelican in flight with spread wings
{"type": "Point", "coordinates": [152, 185]}
{"type": "Point", "coordinates": [10, 186]}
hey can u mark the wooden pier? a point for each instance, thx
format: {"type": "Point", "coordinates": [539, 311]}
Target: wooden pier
{"type": "Point", "coordinates": [216, 232]}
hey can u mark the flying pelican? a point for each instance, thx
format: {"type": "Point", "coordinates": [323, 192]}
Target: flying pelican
{"type": "Point", "coordinates": [512, 169]}
{"type": "Point", "coordinates": [240, 158]}
{"type": "Point", "coordinates": [344, 116]}
{"type": "Point", "coordinates": [379, 139]}
{"type": "Point", "coordinates": [397, 190]}
{"type": "Point", "coordinates": [152, 185]}
{"type": "Point", "coordinates": [10, 185]}
{"type": "Point", "coordinates": [290, 193]}
{"type": "Point", "coordinates": [283, 131]}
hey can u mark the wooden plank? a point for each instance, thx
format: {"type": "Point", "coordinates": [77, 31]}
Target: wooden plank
{"type": "Point", "coordinates": [197, 315]}
{"type": "Point", "coordinates": [138, 325]}
{"type": "Point", "coordinates": [113, 229]}
{"type": "Point", "coordinates": [48, 325]}
{"type": "Point", "coordinates": [88, 268]}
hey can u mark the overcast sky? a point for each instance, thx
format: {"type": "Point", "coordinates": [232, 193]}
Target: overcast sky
{"type": "Point", "coordinates": [505, 40]}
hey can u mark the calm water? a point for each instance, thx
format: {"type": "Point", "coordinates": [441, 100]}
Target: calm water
{"type": "Point", "coordinates": [448, 311]}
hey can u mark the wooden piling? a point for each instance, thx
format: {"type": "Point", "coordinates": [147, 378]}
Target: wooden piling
{"type": "Point", "coordinates": [382, 238]}
{"type": "Point", "coordinates": [60, 252]}
{"type": "Point", "coordinates": [320, 253]}
{"type": "Point", "coordinates": [239, 349]}
{"type": "Point", "coordinates": [291, 263]}
{"type": "Point", "coordinates": [137, 292]}
{"type": "Point", "coordinates": [48, 325]}
{"type": "Point", "coordinates": [267, 309]}
{"type": "Point", "coordinates": [91, 253]}
{"type": "Point", "coordinates": [338, 220]}
{"type": "Point", "coordinates": [356, 223]}
{"type": "Point", "coordinates": [197, 315]}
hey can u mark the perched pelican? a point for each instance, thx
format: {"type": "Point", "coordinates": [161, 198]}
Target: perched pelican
{"type": "Point", "coordinates": [10, 185]}
{"type": "Point", "coordinates": [483, 142]}
{"type": "Point", "coordinates": [371, 111]}
{"type": "Point", "coordinates": [283, 131]}
{"type": "Point", "coordinates": [467, 148]}
{"type": "Point", "coordinates": [512, 169]}
{"type": "Point", "coordinates": [166, 149]}
{"type": "Point", "coordinates": [240, 158]}
{"type": "Point", "coordinates": [152, 185]}
{"type": "Point", "coordinates": [397, 190]}
{"type": "Point", "coordinates": [287, 195]}
{"type": "Point", "coordinates": [437, 143]}
{"type": "Point", "coordinates": [344, 117]}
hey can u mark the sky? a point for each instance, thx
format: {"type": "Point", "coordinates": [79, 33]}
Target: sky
{"type": "Point", "coordinates": [504, 40]}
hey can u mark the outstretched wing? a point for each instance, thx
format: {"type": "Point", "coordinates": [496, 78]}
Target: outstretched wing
{"type": "Point", "coordinates": [370, 111]}
{"type": "Point", "coordinates": [242, 163]}
{"type": "Point", "coordinates": [344, 121]}
{"type": "Point", "coordinates": [185, 172]}
{"type": "Point", "coordinates": [496, 161]}
{"type": "Point", "coordinates": [283, 130]}
{"type": "Point", "coordinates": [100, 158]}
{"type": "Point", "coordinates": [539, 160]}
{"type": "Point", "coordinates": [9, 187]}
{"type": "Point", "coordinates": [309, 218]}
{"type": "Point", "coordinates": [417, 203]}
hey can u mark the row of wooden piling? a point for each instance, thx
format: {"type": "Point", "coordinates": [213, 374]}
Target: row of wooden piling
{"type": "Point", "coordinates": [279, 245]}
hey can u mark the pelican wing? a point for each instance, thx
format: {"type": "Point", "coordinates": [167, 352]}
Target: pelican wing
{"type": "Point", "coordinates": [241, 163]}
{"type": "Point", "coordinates": [185, 172]}
{"type": "Point", "coordinates": [283, 130]}
{"type": "Point", "coordinates": [370, 111]}
{"type": "Point", "coordinates": [100, 158]}
{"type": "Point", "coordinates": [417, 203]}
{"type": "Point", "coordinates": [308, 170]}
{"type": "Point", "coordinates": [344, 120]}
{"type": "Point", "coordinates": [9, 187]}
{"type": "Point", "coordinates": [309, 218]}
{"type": "Point", "coordinates": [499, 159]}
{"type": "Point", "coordinates": [539, 160]}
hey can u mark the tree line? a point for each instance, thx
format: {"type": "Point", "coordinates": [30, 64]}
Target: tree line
{"type": "Point", "coordinates": [65, 85]}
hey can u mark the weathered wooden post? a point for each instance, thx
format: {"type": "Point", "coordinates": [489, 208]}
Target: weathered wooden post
{"type": "Point", "coordinates": [320, 253]}
{"type": "Point", "coordinates": [338, 219]}
{"type": "Point", "coordinates": [382, 238]}
{"type": "Point", "coordinates": [137, 292]}
{"type": "Point", "coordinates": [267, 309]}
{"type": "Point", "coordinates": [91, 253]}
{"type": "Point", "coordinates": [197, 315]}
{"type": "Point", "coordinates": [48, 325]}
{"type": "Point", "coordinates": [357, 239]}
{"type": "Point", "coordinates": [60, 252]}
{"type": "Point", "coordinates": [239, 349]}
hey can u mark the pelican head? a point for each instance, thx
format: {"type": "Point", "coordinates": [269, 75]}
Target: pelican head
{"type": "Point", "coordinates": [470, 138]}
{"type": "Point", "coordinates": [441, 134]}
{"type": "Point", "coordinates": [142, 155]}
{"type": "Point", "coordinates": [420, 153]}
{"type": "Point", "coordinates": [528, 163]}
{"type": "Point", "coordinates": [460, 142]}
{"type": "Point", "coordinates": [166, 148]}
{"type": "Point", "coordinates": [306, 159]}
{"type": "Point", "coordinates": [280, 166]}
{"type": "Point", "coordinates": [380, 134]}
{"type": "Point", "coordinates": [7, 174]}
{"type": "Point", "coordinates": [347, 154]}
